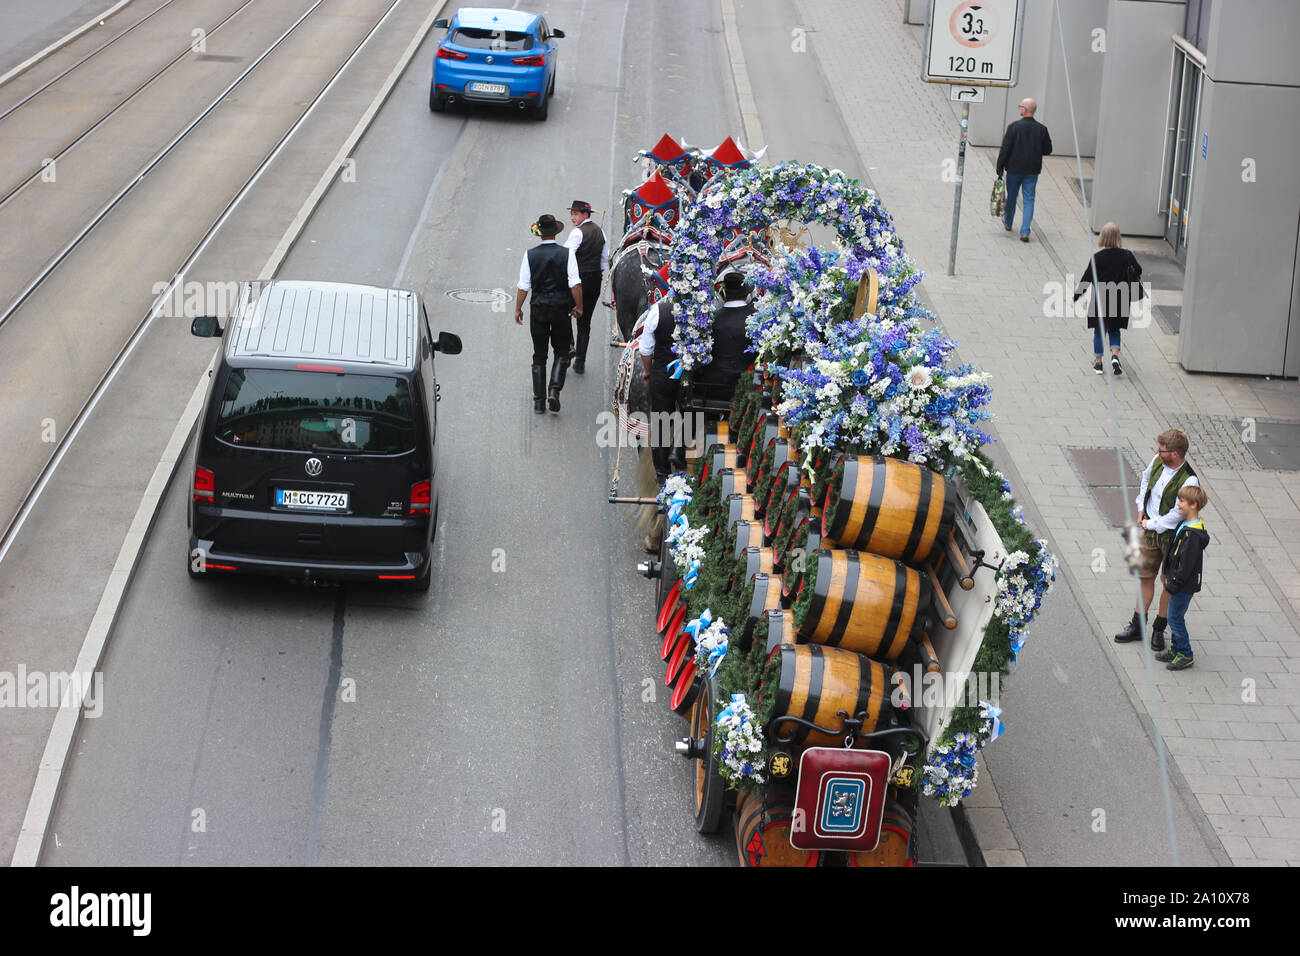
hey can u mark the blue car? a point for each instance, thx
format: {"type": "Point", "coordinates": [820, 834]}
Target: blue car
{"type": "Point", "coordinates": [501, 57]}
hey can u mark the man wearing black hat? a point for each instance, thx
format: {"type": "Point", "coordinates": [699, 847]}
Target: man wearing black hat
{"type": "Point", "coordinates": [550, 272]}
{"type": "Point", "coordinates": [588, 244]}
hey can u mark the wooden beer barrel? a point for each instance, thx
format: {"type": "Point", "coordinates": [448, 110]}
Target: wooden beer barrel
{"type": "Point", "coordinates": [862, 603]}
{"type": "Point", "coordinates": [786, 481]}
{"type": "Point", "coordinates": [754, 598]}
{"type": "Point", "coordinates": [774, 628]}
{"type": "Point", "coordinates": [763, 467]}
{"type": "Point", "coordinates": [889, 507]}
{"type": "Point", "coordinates": [817, 682]}
{"type": "Point", "coordinates": [763, 831]}
{"type": "Point", "coordinates": [748, 534]}
{"type": "Point", "coordinates": [894, 848]}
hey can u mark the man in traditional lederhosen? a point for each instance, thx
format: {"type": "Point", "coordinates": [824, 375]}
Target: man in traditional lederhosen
{"type": "Point", "coordinates": [588, 244]}
{"type": "Point", "coordinates": [1158, 516]}
{"type": "Point", "coordinates": [550, 272]}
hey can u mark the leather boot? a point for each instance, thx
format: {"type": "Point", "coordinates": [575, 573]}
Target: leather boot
{"type": "Point", "coordinates": [539, 389]}
{"type": "Point", "coordinates": [580, 352]}
{"type": "Point", "coordinates": [1158, 634]}
{"type": "Point", "coordinates": [1133, 632]}
{"type": "Point", "coordinates": [558, 367]}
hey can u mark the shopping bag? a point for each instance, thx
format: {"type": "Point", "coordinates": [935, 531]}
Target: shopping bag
{"type": "Point", "coordinates": [998, 201]}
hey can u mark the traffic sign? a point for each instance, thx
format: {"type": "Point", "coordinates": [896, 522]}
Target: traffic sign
{"type": "Point", "coordinates": [973, 42]}
{"type": "Point", "coordinates": [966, 94]}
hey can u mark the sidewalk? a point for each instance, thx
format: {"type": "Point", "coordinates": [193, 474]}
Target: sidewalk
{"type": "Point", "coordinates": [1232, 723]}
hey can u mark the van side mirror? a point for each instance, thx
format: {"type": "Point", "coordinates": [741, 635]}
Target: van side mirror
{"type": "Point", "coordinates": [448, 344]}
{"type": "Point", "coordinates": [558, 33]}
{"type": "Point", "coordinates": [206, 327]}
{"type": "Point", "coordinates": [441, 22]}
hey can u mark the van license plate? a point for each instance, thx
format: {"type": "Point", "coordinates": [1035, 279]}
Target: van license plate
{"type": "Point", "coordinates": [497, 89]}
{"type": "Point", "coordinates": [312, 500]}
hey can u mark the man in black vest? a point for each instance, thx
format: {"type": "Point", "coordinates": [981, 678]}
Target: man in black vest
{"type": "Point", "coordinates": [588, 244]}
{"type": "Point", "coordinates": [717, 380]}
{"type": "Point", "coordinates": [550, 272]}
{"type": "Point", "coordinates": [656, 350]}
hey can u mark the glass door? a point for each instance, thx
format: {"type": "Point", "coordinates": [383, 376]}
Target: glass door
{"type": "Point", "coordinates": [1181, 159]}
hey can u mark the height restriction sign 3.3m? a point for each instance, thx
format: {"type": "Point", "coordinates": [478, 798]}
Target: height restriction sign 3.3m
{"type": "Point", "coordinates": [973, 42]}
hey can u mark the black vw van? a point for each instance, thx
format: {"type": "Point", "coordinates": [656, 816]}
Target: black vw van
{"type": "Point", "coordinates": [316, 455]}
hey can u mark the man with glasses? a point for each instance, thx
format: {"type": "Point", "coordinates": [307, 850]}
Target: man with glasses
{"type": "Point", "coordinates": [1158, 516]}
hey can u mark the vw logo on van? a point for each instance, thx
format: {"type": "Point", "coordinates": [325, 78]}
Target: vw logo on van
{"type": "Point", "coordinates": [313, 466]}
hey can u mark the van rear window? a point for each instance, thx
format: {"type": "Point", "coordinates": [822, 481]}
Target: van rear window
{"type": "Point", "coordinates": [492, 39]}
{"type": "Point", "coordinates": [316, 411]}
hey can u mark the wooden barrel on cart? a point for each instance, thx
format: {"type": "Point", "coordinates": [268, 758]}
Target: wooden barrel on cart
{"type": "Point", "coordinates": [817, 682]}
{"type": "Point", "coordinates": [895, 846]}
{"type": "Point", "coordinates": [763, 831]}
{"type": "Point", "coordinates": [862, 602]}
{"type": "Point", "coordinates": [894, 508]}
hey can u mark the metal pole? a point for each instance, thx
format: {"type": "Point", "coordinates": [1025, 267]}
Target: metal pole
{"type": "Point", "coordinates": [956, 202]}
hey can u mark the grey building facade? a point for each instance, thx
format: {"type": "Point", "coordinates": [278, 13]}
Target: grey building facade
{"type": "Point", "coordinates": [1191, 110]}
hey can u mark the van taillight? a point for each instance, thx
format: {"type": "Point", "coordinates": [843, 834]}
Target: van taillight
{"type": "Point", "coordinates": [205, 484]}
{"type": "Point", "coordinates": [420, 497]}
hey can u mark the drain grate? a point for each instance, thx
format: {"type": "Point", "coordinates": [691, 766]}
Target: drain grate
{"type": "Point", "coordinates": [478, 296]}
{"type": "Point", "coordinates": [1099, 469]}
{"type": "Point", "coordinates": [1276, 445]}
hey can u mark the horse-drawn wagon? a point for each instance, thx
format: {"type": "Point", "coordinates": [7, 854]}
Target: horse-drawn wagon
{"type": "Point", "coordinates": [841, 576]}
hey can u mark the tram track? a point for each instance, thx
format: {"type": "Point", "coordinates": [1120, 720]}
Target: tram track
{"type": "Point", "coordinates": [8, 191]}
{"type": "Point", "coordinates": [144, 171]}
{"type": "Point", "coordinates": [26, 504]}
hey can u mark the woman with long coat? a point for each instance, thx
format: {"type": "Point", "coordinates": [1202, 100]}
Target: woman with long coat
{"type": "Point", "coordinates": [1119, 281]}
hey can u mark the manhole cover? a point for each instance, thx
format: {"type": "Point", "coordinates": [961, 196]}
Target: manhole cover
{"type": "Point", "coordinates": [478, 296]}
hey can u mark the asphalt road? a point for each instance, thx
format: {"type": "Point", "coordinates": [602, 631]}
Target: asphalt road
{"type": "Point", "coordinates": [504, 718]}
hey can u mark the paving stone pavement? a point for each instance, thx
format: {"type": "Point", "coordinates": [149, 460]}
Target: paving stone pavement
{"type": "Point", "coordinates": [1232, 723]}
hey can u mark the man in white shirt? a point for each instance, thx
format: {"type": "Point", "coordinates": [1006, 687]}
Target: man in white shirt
{"type": "Point", "coordinates": [1158, 516]}
{"type": "Point", "coordinates": [587, 241]}
{"type": "Point", "coordinates": [550, 272]}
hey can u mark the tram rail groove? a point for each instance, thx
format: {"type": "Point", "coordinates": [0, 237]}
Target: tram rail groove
{"type": "Point", "coordinates": [64, 150]}
{"type": "Point", "coordinates": [146, 169]}
{"type": "Point", "coordinates": [29, 500]}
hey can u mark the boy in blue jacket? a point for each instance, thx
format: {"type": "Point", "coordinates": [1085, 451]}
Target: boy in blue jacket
{"type": "Point", "coordinates": [1182, 574]}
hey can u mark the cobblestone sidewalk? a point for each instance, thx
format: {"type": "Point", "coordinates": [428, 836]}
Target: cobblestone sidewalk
{"type": "Point", "coordinates": [1232, 723]}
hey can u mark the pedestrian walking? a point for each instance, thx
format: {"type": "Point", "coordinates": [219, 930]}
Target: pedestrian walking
{"type": "Point", "coordinates": [1159, 517]}
{"type": "Point", "coordinates": [1023, 147]}
{"type": "Point", "coordinates": [1182, 574]}
{"type": "Point", "coordinates": [550, 272]}
{"type": "Point", "coordinates": [1117, 282]}
{"type": "Point", "coordinates": [587, 240]}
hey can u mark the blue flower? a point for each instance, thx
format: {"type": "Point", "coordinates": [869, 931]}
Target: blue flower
{"type": "Point", "coordinates": [860, 377]}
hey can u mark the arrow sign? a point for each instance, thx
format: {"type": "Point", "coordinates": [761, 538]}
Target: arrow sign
{"type": "Point", "coordinates": [966, 94]}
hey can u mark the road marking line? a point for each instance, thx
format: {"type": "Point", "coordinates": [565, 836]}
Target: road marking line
{"type": "Point", "coordinates": [37, 57]}
{"type": "Point", "coordinates": [740, 76]}
{"type": "Point", "coordinates": [49, 773]}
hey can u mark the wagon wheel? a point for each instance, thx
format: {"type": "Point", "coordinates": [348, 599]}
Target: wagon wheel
{"type": "Point", "coordinates": [708, 783]}
{"type": "Point", "coordinates": [787, 233]}
{"type": "Point", "coordinates": [667, 585]}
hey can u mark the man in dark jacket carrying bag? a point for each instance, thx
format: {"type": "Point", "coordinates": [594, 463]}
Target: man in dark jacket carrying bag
{"type": "Point", "coordinates": [1183, 567]}
{"type": "Point", "coordinates": [1023, 147]}
{"type": "Point", "coordinates": [550, 272]}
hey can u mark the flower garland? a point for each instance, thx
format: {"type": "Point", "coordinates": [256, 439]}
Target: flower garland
{"type": "Point", "coordinates": [753, 199]}
{"type": "Point", "coordinates": [884, 388]}
{"type": "Point", "coordinates": [711, 645]}
{"type": "Point", "coordinates": [738, 743]}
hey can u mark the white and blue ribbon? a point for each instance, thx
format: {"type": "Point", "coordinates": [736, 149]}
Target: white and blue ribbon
{"type": "Point", "coordinates": [700, 623]}
{"type": "Point", "coordinates": [737, 701]}
{"type": "Point", "coordinates": [995, 714]}
{"type": "Point", "coordinates": [675, 368]}
{"type": "Point", "coordinates": [715, 658]}
{"type": "Point", "coordinates": [1017, 645]}
{"type": "Point", "coordinates": [691, 576]}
